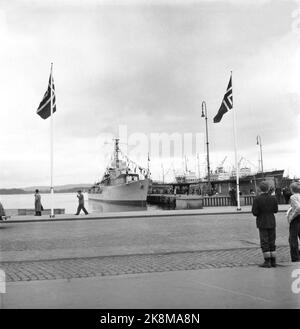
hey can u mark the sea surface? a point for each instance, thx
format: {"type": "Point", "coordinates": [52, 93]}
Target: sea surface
{"type": "Point", "coordinates": [68, 201]}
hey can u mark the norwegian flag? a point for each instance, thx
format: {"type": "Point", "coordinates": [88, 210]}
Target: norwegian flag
{"type": "Point", "coordinates": [227, 102]}
{"type": "Point", "coordinates": [44, 109]}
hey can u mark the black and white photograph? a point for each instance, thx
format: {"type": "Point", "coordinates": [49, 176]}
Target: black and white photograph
{"type": "Point", "coordinates": [150, 157]}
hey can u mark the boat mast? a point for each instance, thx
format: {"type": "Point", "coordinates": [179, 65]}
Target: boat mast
{"type": "Point", "coordinates": [117, 152]}
{"type": "Point", "coordinates": [185, 162]}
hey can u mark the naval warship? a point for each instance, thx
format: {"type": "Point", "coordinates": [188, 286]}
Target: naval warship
{"type": "Point", "coordinates": [120, 183]}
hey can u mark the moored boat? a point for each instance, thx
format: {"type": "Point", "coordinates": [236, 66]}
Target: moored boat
{"type": "Point", "coordinates": [120, 183]}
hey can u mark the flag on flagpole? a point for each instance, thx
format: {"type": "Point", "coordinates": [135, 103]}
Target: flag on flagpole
{"type": "Point", "coordinates": [227, 102]}
{"type": "Point", "coordinates": [44, 109]}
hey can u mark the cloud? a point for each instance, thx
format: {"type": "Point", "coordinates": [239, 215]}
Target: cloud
{"type": "Point", "coordinates": [148, 65]}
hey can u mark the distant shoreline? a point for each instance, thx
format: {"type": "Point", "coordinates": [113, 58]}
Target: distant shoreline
{"type": "Point", "coordinates": [43, 190]}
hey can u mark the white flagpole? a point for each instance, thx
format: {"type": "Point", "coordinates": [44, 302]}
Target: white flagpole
{"type": "Point", "coordinates": [235, 153]}
{"type": "Point", "coordinates": [51, 141]}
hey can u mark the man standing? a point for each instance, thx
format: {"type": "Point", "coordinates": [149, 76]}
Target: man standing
{"type": "Point", "coordinates": [232, 193]}
{"type": "Point", "coordinates": [37, 203]}
{"type": "Point", "coordinates": [80, 203]}
{"type": "Point", "coordinates": [278, 194]}
{"type": "Point", "coordinates": [287, 194]}
{"type": "Point", "coordinates": [2, 212]}
{"type": "Point", "coordinates": [264, 206]}
{"type": "Point", "coordinates": [294, 221]}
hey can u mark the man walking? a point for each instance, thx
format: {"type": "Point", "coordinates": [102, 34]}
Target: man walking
{"type": "Point", "coordinates": [264, 206]}
{"type": "Point", "coordinates": [80, 203]}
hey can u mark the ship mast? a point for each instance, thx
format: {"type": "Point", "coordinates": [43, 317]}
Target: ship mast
{"type": "Point", "coordinates": [117, 152]}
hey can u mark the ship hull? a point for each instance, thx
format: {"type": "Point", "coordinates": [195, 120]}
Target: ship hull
{"type": "Point", "coordinates": [134, 192]}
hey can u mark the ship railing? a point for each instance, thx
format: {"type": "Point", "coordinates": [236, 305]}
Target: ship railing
{"type": "Point", "coordinates": [207, 201]}
{"type": "Point", "coordinates": [224, 200]}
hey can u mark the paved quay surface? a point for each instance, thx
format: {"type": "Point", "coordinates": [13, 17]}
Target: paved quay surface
{"type": "Point", "coordinates": [183, 261]}
{"type": "Point", "coordinates": [247, 287]}
{"type": "Point", "coordinates": [30, 241]}
{"type": "Point", "coordinates": [138, 214]}
{"type": "Point", "coordinates": [132, 264]}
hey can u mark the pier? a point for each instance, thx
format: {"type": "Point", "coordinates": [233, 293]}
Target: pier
{"type": "Point", "coordinates": [195, 201]}
{"type": "Point", "coordinates": [184, 191]}
{"type": "Point", "coordinates": [31, 212]}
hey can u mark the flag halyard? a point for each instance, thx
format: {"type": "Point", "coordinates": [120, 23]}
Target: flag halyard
{"type": "Point", "coordinates": [44, 109]}
{"type": "Point", "coordinates": [227, 102]}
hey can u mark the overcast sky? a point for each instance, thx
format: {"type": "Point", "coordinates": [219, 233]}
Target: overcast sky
{"type": "Point", "coordinates": [148, 65]}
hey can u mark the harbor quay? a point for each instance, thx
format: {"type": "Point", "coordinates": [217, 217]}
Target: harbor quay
{"type": "Point", "coordinates": [195, 259]}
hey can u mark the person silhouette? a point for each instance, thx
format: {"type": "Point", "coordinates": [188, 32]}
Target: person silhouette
{"type": "Point", "coordinates": [264, 206]}
{"type": "Point", "coordinates": [80, 197]}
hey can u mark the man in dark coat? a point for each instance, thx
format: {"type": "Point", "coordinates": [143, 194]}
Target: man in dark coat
{"type": "Point", "coordinates": [232, 193]}
{"type": "Point", "coordinates": [2, 212]}
{"type": "Point", "coordinates": [264, 206]}
{"type": "Point", "coordinates": [286, 194]}
{"type": "Point", "coordinates": [278, 194]}
{"type": "Point", "coordinates": [37, 203]}
{"type": "Point", "coordinates": [80, 203]}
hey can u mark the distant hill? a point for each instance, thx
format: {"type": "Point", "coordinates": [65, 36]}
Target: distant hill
{"type": "Point", "coordinates": [68, 188]}
{"type": "Point", "coordinates": [12, 191]}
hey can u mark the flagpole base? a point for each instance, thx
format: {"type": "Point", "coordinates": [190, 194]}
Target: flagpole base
{"type": "Point", "coordinates": [238, 209]}
{"type": "Point", "coordinates": [52, 216]}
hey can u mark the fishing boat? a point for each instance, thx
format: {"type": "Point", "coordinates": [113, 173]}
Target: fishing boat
{"type": "Point", "coordinates": [123, 181]}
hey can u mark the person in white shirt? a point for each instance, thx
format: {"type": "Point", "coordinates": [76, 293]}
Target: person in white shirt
{"type": "Point", "coordinates": [293, 217]}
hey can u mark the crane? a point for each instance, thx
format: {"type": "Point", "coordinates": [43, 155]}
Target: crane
{"type": "Point", "coordinates": [240, 161]}
{"type": "Point", "coordinates": [220, 166]}
{"type": "Point", "coordinates": [166, 172]}
{"type": "Point", "coordinates": [243, 158]}
{"type": "Point", "coordinates": [222, 162]}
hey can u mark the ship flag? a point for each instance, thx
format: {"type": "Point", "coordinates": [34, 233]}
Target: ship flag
{"type": "Point", "coordinates": [227, 102]}
{"type": "Point", "coordinates": [44, 109]}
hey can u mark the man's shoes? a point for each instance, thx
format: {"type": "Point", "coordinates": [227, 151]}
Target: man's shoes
{"type": "Point", "coordinates": [273, 262]}
{"type": "Point", "coordinates": [296, 260]}
{"type": "Point", "coordinates": [266, 263]}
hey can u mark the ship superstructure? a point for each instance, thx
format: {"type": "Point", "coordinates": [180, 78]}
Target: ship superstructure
{"type": "Point", "coordinates": [123, 181]}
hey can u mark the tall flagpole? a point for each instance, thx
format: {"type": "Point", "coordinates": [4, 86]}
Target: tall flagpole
{"type": "Point", "coordinates": [235, 154]}
{"type": "Point", "coordinates": [51, 141]}
{"type": "Point", "coordinates": [148, 166]}
{"type": "Point", "coordinates": [261, 155]}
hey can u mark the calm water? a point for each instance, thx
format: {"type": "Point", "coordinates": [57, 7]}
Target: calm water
{"type": "Point", "coordinates": [65, 200]}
